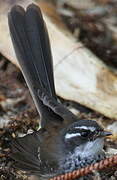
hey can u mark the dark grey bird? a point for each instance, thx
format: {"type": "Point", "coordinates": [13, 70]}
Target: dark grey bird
{"type": "Point", "coordinates": [63, 143]}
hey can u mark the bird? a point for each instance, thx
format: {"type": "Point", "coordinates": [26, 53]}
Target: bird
{"type": "Point", "coordinates": [63, 142]}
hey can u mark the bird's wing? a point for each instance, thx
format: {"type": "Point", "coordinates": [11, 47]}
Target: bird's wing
{"type": "Point", "coordinates": [25, 152]}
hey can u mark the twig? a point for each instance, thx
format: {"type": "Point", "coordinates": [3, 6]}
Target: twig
{"type": "Point", "coordinates": [103, 164]}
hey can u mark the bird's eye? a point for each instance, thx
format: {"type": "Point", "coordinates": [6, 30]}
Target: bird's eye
{"type": "Point", "coordinates": [85, 133]}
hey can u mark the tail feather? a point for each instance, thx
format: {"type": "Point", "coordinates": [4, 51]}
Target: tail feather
{"type": "Point", "coordinates": [39, 42]}
{"type": "Point", "coordinates": [31, 43]}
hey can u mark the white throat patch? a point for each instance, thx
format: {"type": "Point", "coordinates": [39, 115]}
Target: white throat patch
{"type": "Point", "coordinates": [90, 148]}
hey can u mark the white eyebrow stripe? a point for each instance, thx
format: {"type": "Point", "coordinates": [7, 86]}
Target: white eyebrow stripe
{"type": "Point", "coordinates": [68, 136]}
{"type": "Point", "coordinates": [86, 127]}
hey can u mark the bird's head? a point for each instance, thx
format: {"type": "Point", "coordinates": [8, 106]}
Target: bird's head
{"type": "Point", "coordinates": [85, 138]}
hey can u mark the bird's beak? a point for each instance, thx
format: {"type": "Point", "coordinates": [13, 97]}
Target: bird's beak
{"type": "Point", "coordinates": [105, 133]}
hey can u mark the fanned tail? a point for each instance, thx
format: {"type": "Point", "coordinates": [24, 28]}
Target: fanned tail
{"type": "Point", "coordinates": [32, 47]}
